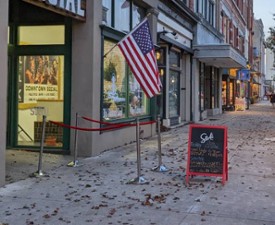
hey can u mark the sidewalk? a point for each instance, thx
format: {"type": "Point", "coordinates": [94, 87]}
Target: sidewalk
{"type": "Point", "coordinates": [96, 192]}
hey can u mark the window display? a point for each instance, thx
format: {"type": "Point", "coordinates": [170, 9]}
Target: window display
{"type": "Point", "coordinates": [122, 95]}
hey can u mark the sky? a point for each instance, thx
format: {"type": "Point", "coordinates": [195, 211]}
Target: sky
{"type": "Point", "coordinates": [264, 9]}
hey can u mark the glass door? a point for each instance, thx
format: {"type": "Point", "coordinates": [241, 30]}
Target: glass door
{"type": "Point", "coordinates": [41, 72]}
{"type": "Point", "coordinates": [174, 94]}
{"type": "Point", "coordinates": [174, 87]}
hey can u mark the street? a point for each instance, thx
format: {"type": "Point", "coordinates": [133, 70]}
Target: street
{"type": "Point", "coordinates": [96, 192]}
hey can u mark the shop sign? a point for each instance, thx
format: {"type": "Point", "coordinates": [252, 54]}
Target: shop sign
{"type": "Point", "coordinates": [244, 75]}
{"type": "Point", "coordinates": [73, 8]}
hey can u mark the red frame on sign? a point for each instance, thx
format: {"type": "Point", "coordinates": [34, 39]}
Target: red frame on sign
{"type": "Point", "coordinates": [224, 173]}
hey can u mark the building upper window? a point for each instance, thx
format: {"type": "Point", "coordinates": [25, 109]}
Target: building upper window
{"type": "Point", "coordinates": [122, 15]}
{"type": "Point", "coordinates": [206, 8]}
{"type": "Point", "coordinates": [225, 27]}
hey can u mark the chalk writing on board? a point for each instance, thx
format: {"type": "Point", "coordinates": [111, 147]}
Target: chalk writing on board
{"type": "Point", "coordinates": [207, 151]}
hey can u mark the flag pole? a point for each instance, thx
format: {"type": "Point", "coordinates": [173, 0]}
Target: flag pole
{"type": "Point", "coordinates": [104, 56]}
{"type": "Point", "coordinates": [147, 15]}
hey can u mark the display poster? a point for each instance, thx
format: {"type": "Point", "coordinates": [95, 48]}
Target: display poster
{"type": "Point", "coordinates": [38, 78]}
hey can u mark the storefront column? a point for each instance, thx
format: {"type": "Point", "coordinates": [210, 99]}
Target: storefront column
{"type": "Point", "coordinates": [3, 85]}
{"type": "Point", "coordinates": [220, 90]}
{"type": "Point", "coordinates": [195, 94]}
{"type": "Point", "coordinates": [86, 74]}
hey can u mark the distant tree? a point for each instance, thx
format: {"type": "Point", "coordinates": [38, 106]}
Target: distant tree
{"type": "Point", "coordinates": [270, 41]}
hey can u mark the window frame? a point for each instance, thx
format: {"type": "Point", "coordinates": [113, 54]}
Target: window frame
{"type": "Point", "coordinates": [115, 36]}
{"type": "Point", "coordinates": [132, 5]}
{"type": "Point", "coordinates": [207, 9]}
{"type": "Point", "coordinates": [15, 50]}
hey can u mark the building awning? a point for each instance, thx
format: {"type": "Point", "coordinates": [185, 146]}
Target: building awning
{"type": "Point", "coordinates": [219, 55]}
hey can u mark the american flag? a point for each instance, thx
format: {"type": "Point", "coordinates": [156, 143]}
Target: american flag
{"type": "Point", "coordinates": [138, 50]}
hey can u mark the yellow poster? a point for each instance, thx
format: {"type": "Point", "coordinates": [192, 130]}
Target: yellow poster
{"type": "Point", "coordinates": [38, 78]}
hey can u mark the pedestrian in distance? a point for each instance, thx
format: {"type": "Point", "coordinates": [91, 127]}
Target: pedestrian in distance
{"type": "Point", "coordinates": [272, 99]}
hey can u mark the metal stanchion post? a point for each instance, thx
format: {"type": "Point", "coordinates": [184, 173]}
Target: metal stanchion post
{"type": "Point", "coordinates": [138, 149]}
{"type": "Point", "coordinates": [39, 171]}
{"type": "Point", "coordinates": [74, 163]}
{"type": "Point", "coordinates": [160, 167]}
{"type": "Point", "coordinates": [139, 179]}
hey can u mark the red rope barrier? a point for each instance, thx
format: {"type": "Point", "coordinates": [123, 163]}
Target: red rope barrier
{"type": "Point", "coordinates": [111, 126]}
{"type": "Point", "coordinates": [146, 123]}
{"type": "Point", "coordinates": [108, 123]}
{"type": "Point", "coordinates": [89, 129]}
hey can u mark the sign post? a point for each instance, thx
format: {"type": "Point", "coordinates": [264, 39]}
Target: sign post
{"type": "Point", "coordinates": [207, 152]}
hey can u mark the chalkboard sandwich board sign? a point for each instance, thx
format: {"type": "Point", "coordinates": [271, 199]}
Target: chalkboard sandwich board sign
{"type": "Point", "coordinates": [207, 152]}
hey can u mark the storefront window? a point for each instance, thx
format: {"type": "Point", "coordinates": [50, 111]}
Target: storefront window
{"type": "Point", "coordinates": [174, 59]}
{"type": "Point", "coordinates": [122, 95]}
{"type": "Point", "coordinates": [160, 56]}
{"type": "Point", "coordinates": [224, 88]}
{"type": "Point", "coordinates": [40, 92]}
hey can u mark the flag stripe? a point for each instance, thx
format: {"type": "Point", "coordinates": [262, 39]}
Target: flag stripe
{"type": "Point", "coordinates": [133, 60]}
{"type": "Point", "coordinates": [143, 63]}
{"type": "Point", "coordinates": [136, 70]}
{"type": "Point", "coordinates": [138, 50]}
